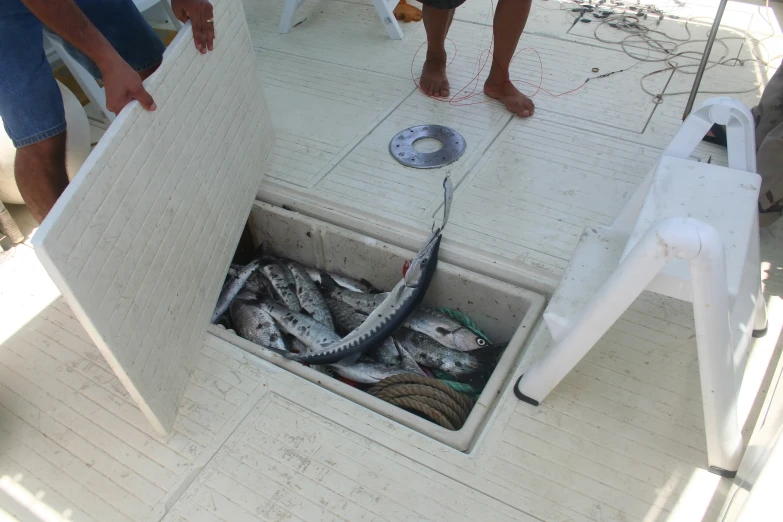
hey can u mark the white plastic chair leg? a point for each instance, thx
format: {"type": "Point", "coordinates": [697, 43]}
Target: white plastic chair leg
{"type": "Point", "coordinates": [386, 12]}
{"type": "Point", "coordinates": [760, 322]}
{"type": "Point", "coordinates": [287, 18]}
{"type": "Point", "coordinates": [83, 77]}
{"type": "Point", "coordinates": [175, 23]}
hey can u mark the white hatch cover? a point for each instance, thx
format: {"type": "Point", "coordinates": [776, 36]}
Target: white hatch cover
{"type": "Point", "coordinates": [141, 240]}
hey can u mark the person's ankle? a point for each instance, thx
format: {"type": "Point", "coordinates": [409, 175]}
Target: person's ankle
{"type": "Point", "coordinates": [436, 55]}
{"type": "Point", "coordinates": [496, 80]}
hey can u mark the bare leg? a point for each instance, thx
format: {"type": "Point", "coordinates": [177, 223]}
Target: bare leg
{"type": "Point", "coordinates": [433, 75]}
{"type": "Point", "coordinates": [40, 171]}
{"type": "Point", "coordinates": [510, 20]}
{"type": "Point", "coordinates": [40, 174]}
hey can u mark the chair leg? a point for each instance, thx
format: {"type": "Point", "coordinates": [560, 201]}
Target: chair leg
{"type": "Point", "coordinates": [175, 23]}
{"type": "Point", "coordinates": [715, 351]}
{"type": "Point", "coordinates": [386, 12]}
{"type": "Point", "coordinates": [760, 322]}
{"type": "Point", "coordinates": [84, 79]}
{"type": "Point", "coordinates": [287, 18]}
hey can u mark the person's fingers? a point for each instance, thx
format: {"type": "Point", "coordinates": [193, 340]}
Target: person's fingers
{"type": "Point", "coordinates": [145, 99]}
{"type": "Point", "coordinates": [210, 25]}
{"type": "Point", "coordinates": [198, 22]}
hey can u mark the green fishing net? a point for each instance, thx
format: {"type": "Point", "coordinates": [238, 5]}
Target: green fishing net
{"type": "Point", "coordinates": [465, 320]}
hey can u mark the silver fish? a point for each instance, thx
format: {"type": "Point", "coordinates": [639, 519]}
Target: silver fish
{"type": "Point", "coordinates": [256, 324]}
{"type": "Point", "coordinates": [366, 372]}
{"type": "Point", "coordinates": [309, 296]}
{"type": "Point", "coordinates": [315, 336]}
{"type": "Point", "coordinates": [395, 308]}
{"type": "Point", "coordinates": [348, 319]}
{"type": "Point", "coordinates": [363, 302]}
{"type": "Point", "coordinates": [472, 367]}
{"type": "Point", "coordinates": [356, 285]}
{"type": "Point", "coordinates": [283, 284]}
{"type": "Point", "coordinates": [373, 372]}
{"type": "Point", "coordinates": [442, 328]}
{"type": "Point", "coordinates": [445, 330]}
{"type": "Point", "coordinates": [231, 290]}
{"type": "Point", "coordinates": [259, 285]}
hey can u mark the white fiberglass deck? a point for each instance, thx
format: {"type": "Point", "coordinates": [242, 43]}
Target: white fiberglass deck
{"type": "Point", "coordinates": [621, 439]}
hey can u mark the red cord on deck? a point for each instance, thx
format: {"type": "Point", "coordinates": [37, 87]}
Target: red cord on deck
{"type": "Point", "coordinates": [458, 100]}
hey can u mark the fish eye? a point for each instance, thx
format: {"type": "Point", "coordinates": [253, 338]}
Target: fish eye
{"type": "Point", "coordinates": [480, 341]}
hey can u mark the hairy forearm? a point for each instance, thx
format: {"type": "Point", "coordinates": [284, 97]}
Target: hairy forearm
{"type": "Point", "coordinates": [66, 19]}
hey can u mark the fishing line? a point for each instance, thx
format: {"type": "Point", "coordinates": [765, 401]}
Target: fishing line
{"type": "Point", "coordinates": [471, 89]}
{"type": "Point", "coordinates": [671, 47]}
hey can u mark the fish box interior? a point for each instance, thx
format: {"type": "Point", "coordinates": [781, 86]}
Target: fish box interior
{"type": "Point", "coordinates": [506, 313]}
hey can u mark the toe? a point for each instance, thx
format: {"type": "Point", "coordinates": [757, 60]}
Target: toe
{"type": "Point", "coordinates": [444, 91]}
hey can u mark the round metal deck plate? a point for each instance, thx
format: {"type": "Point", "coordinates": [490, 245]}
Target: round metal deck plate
{"type": "Point", "coordinates": [401, 146]}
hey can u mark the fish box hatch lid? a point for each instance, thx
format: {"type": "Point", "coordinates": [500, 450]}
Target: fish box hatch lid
{"type": "Point", "coordinates": [140, 242]}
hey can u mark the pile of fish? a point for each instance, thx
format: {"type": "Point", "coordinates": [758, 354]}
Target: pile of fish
{"type": "Point", "coordinates": [345, 326]}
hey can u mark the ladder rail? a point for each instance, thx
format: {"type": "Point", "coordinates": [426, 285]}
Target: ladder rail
{"type": "Point", "coordinates": [701, 245]}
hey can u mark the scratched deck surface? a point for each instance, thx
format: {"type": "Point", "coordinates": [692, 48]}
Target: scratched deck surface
{"type": "Point", "coordinates": [621, 439]}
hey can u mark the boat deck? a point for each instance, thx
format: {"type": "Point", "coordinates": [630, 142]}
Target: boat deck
{"type": "Point", "coordinates": [621, 439]}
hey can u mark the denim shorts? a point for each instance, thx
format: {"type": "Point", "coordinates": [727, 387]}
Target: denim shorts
{"type": "Point", "coordinates": [31, 105]}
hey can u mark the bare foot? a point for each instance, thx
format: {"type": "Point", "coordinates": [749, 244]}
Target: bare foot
{"type": "Point", "coordinates": [514, 100]}
{"type": "Point", "coordinates": [433, 77]}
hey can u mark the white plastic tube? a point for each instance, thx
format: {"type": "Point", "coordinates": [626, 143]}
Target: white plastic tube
{"type": "Point", "coordinates": [676, 237]}
{"type": "Point", "coordinates": [715, 352]}
{"type": "Point", "coordinates": [701, 245]}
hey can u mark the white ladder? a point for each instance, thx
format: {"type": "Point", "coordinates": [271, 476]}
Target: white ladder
{"type": "Point", "coordinates": [690, 231]}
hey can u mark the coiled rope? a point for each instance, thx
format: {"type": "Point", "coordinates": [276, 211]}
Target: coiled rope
{"type": "Point", "coordinates": [446, 407]}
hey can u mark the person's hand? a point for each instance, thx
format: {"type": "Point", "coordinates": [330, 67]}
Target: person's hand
{"type": "Point", "coordinates": [199, 12]}
{"type": "Point", "coordinates": [122, 84]}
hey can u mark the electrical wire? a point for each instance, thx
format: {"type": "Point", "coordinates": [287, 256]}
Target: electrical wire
{"type": "Point", "coordinates": [668, 49]}
{"type": "Point", "coordinates": [643, 42]}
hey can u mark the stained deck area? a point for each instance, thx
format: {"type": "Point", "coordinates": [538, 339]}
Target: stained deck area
{"type": "Point", "coordinates": [621, 439]}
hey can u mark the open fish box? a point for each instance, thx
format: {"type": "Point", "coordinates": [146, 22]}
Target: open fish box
{"type": "Point", "coordinates": [141, 241]}
{"type": "Point", "coordinates": [505, 313]}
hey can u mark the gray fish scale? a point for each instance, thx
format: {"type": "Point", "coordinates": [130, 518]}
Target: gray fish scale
{"type": "Point", "coordinates": [256, 325]}
{"type": "Point", "coordinates": [365, 303]}
{"type": "Point", "coordinates": [309, 296]}
{"type": "Point", "coordinates": [233, 288]}
{"type": "Point", "coordinates": [429, 353]}
{"type": "Point", "coordinates": [313, 334]}
{"type": "Point", "coordinates": [346, 317]}
{"type": "Point", "coordinates": [283, 283]}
